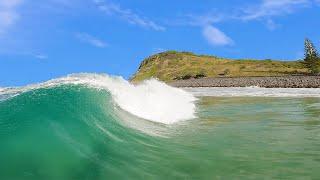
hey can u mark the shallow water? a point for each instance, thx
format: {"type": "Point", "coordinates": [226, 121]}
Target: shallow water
{"type": "Point", "coordinates": [78, 132]}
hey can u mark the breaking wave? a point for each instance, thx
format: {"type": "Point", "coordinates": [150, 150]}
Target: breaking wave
{"type": "Point", "coordinates": [151, 100]}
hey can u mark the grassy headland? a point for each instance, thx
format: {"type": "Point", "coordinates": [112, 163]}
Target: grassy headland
{"type": "Point", "coordinates": [172, 65]}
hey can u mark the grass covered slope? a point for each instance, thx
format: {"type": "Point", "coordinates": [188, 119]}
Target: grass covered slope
{"type": "Point", "coordinates": [171, 65]}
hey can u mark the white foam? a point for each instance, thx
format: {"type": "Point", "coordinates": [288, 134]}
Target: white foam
{"type": "Point", "coordinates": [151, 100]}
{"type": "Point", "coordinates": [254, 92]}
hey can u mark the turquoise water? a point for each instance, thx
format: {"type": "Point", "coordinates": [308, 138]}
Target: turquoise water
{"type": "Point", "coordinates": [76, 132]}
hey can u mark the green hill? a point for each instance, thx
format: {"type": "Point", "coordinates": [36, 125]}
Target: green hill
{"type": "Point", "coordinates": [171, 65]}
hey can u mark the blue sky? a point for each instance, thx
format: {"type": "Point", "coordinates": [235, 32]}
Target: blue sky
{"type": "Point", "coordinates": [41, 40]}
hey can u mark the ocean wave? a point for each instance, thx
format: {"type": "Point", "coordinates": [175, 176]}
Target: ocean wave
{"type": "Point", "coordinates": [151, 99]}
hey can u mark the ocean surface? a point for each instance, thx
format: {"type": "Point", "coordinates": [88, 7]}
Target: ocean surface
{"type": "Point", "coordinates": [94, 126]}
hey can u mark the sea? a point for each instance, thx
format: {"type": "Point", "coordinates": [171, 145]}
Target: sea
{"type": "Point", "coordinates": [97, 126]}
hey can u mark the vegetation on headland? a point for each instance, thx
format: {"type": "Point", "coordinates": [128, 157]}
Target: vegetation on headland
{"type": "Point", "coordinates": [172, 65]}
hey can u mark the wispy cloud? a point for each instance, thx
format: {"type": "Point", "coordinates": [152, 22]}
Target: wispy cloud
{"type": "Point", "coordinates": [87, 38]}
{"type": "Point", "coordinates": [8, 14]}
{"type": "Point", "coordinates": [216, 37]}
{"type": "Point", "coordinates": [265, 11]}
{"type": "Point", "coordinates": [199, 20]}
{"type": "Point", "coordinates": [41, 56]}
{"type": "Point", "coordinates": [272, 8]}
{"type": "Point", "coordinates": [127, 15]}
{"type": "Point", "coordinates": [271, 25]}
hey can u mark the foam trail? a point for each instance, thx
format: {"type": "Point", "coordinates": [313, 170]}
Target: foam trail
{"type": "Point", "coordinates": [151, 100]}
{"type": "Point", "coordinates": [254, 92]}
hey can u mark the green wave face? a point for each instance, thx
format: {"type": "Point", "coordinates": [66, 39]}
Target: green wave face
{"type": "Point", "coordinates": [75, 132]}
{"type": "Point", "coordinates": [66, 132]}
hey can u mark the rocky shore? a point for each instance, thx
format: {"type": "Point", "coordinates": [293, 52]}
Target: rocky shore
{"type": "Point", "coordinates": [268, 82]}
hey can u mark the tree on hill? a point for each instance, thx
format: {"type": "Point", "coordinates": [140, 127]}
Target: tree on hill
{"type": "Point", "coordinates": [312, 58]}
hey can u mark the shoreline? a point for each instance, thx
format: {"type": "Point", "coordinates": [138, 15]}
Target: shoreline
{"type": "Point", "coordinates": [266, 82]}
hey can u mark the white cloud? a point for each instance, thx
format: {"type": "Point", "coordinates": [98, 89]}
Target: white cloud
{"type": "Point", "coordinates": [213, 35]}
{"type": "Point", "coordinates": [216, 37]}
{"type": "Point", "coordinates": [271, 8]}
{"type": "Point", "coordinates": [127, 15]}
{"type": "Point", "coordinates": [91, 40]}
{"type": "Point", "coordinates": [264, 11]}
{"type": "Point", "coordinates": [8, 14]}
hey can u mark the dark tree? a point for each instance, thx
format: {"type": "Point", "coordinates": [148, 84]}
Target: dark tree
{"type": "Point", "coordinates": [312, 59]}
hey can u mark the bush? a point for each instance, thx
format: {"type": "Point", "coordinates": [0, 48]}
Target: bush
{"type": "Point", "coordinates": [200, 75]}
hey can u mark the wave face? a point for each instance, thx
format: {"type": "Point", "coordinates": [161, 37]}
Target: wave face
{"type": "Point", "coordinates": [76, 126]}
